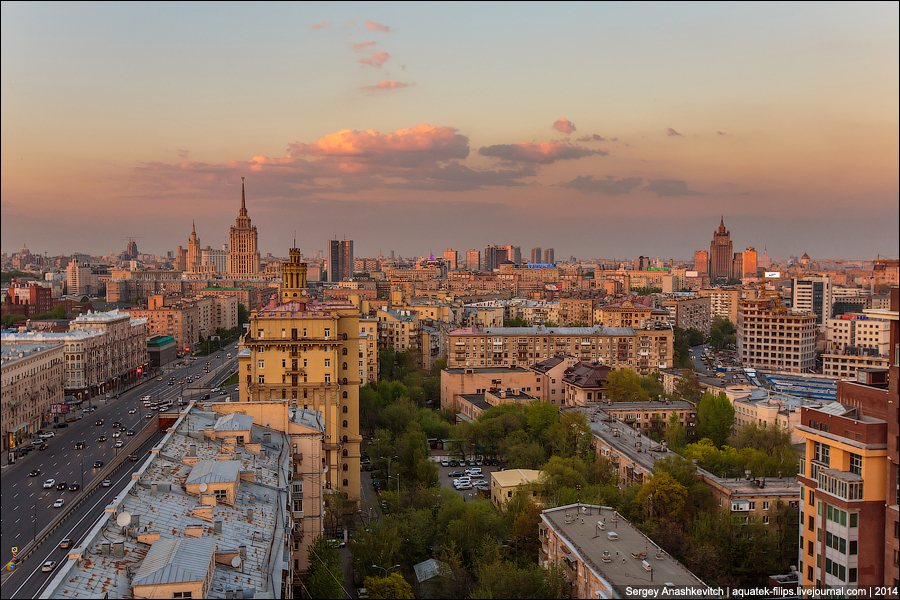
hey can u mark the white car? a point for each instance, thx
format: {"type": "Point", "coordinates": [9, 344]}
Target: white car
{"type": "Point", "coordinates": [59, 503]}
{"type": "Point", "coordinates": [464, 486]}
{"type": "Point", "coordinates": [117, 434]}
{"type": "Point", "coordinates": [48, 566]}
{"type": "Point", "coordinates": [46, 435]}
{"type": "Point", "coordinates": [119, 443]}
{"type": "Point", "coordinates": [50, 483]}
{"type": "Point", "coordinates": [148, 416]}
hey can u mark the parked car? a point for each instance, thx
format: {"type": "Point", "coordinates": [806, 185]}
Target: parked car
{"type": "Point", "coordinates": [456, 473]}
{"type": "Point", "coordinates": [445, 462]}
{"type": "Point", "coordinates": [46, 435]}
{"type": "Point", "coordinates": [60, 425]}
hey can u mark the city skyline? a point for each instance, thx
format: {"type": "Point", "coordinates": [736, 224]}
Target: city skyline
{"type": "Point", "coordinates": [433, 127]}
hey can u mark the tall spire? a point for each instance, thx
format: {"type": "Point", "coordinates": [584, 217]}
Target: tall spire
{"type": "Point", "coordinates": [243, 203]}
{"type": "Point", "coordinates": [194, 228]}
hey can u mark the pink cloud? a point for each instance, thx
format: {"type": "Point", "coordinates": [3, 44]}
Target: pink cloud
{"type": "Point", "coordinates": [670, 132]}
{"type": "Point", "coordinates": [592, 138]}
{"type": "Point", "coordinates": [376, 60]}
{"type": "Point", "coordinates": [387, 85]}
{"type": "Point", "coordinates": [721, 133]}
{"type": "Point", "coordinates": [375, 26]}
{"type": "Point", "coordinates": [563, 125]}
{"type": "Point", "coordinates": [363, 45]}
{"type": "Point", "coordinates": [543, 154]}
{"type": "Point", "coordinates": [320, 25]}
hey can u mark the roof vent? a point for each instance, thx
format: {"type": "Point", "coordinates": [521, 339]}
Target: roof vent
{"type": "Point", "coordinates": [250, 514]}
{"type": "Point", "coordinates": [119, 548]}
{"type": "Point", "coordinates": [217, 526]}
{"type": "Point", "coordinates": [104, 548]}
{"type": "Point", "coordinates": [243, 551]}
{"type": "Point", "coordinates": [267, 438]}
{"type": "Point", "coordinates": [192, 450]}
{"type": "Point", "coordinates": [136, 520]}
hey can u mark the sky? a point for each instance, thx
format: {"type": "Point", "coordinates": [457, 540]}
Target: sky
{"type": "Point", "coordinates": [599, 129]}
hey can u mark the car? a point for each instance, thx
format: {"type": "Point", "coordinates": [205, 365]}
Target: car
{"type": "Point", "coordinates": [216, 389]}
{"type": "Point", "coordinates": [134, 458]}
{"type": "Point", "coordinates": [117, 424]}
{"type": "Point", "coordinates": [218, 356]}
{"type": "Point", "coordinates": [117, 434]}
{"type": "Point", "coordinates": [204, 397]}
{"type": "Point", "coordinates": [456, 473]}
{"type": "Point", "coordinates": [119, 444]}
{"type": "Point", "coordinates": [98, 422]}
{"type": "Point", "coordinates": [464, 486]}
{"type": "Point", "coordinates": [98, 464]}
{"type": "Point", "coordinates": [60, 425]}
{"type": "Point", "coordinates": [159, 378]}
{"type": "Point", "coordinates": [49, 484]}
{"type": "Point", "coordinates": [106, 483]}
{"type": "Point", "coordinates": [181, 382]}
{"type": "Point", "coordinates": [74, 487]}
{"type": "Point", "coordinates": [102, 438]}
{"type": "Point", "coordinates": [171, 383]}
{"type": "Point", "coordinates": [41, 446]}
{"type": "Point", "coordinates": [46, 435]}
{"type": "Point", "coordinates": [48, 566]}
{"type": "Point", "coordinates": [479, 482]}
{"type": "Point", "coordinates": [445, 462]}
{"type": "Point", "coordinates": [132, 411]}
{"type": "Point", "coordinates": [483, 488]}
{"type": "Point", "coordinates": [34, 473]}
{"type": "Point", "coordinates": [453, 463]}
{"type": "Point", "coordinates": [148, 416]}
{"type": "Point", "coordinates": [59, 503]}
{"type": "Point", "coordinates": [130, 432]}
{"type": "Point", "coordinates": [236, 390]}
{"type": "Point", "coordinates": [123, 428]}
{"type": "Point", "coordinates": [66, 543]}
{"type": "Point", "coordinates": [61, 485]}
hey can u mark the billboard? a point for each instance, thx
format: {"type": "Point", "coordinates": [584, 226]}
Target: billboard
{"type": "Point", "coordinates": [553, 287]}
{"type": "Point", "coordinates": [773, 275]}
{"type": "Point", "coordinates": [59, 409]}
{"type": "Point", "coordinates": [691, 274]}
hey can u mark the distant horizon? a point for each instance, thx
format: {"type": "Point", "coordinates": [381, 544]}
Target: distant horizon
{"type": "Point", "coordinates": [616, 129]}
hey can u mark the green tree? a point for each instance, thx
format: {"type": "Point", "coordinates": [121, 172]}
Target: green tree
{"type": "Point", "coordinates": [652, 385]}
{"type": "Point", "coordinates": [676, 435]}
{"type": "Point", "coordinates": [663, 496]}
{"type": "Point", "coordinates": [243, 316]}
{"type": "Point", "coordinates": [392, 586]}
{"type": "Point", "coordinates": [678, 467]}
{"type": "Point", "coordinates": [715, 418]}
{"type": "Point", "coordinates": [516, 322]}
{"type": "Point", "coordinates": [325, 577]}
{"type": "Point", "coordinates": [58, 312]}
{"type": "Point", "coordinates": [623, 385]}
{"type": "Point", "coordinates": [688, 386]}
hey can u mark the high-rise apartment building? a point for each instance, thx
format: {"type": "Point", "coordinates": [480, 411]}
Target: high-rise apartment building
{"type": "Point", "coordinates": [772, 337]}
{"type": "Point", "coordinates": [307, 351]}
{"type": "Point", "coordinates": [549, 256]}
{"type": "Point", "coordinates": [492, 257]}
{"type": "Point", "coordinates": [340, 259]}
{"type": "Point", "coordinates": [750, 262]}
{"type": "Point", "coordinates": [720, 254]}
{"type": "Point", "coordinates": [813, 294]}
{"type": "Point", "coordinates": [193, 251]}
{"type": "Point", "coordinates": [701, 262]}
{"type": "Point", "coordinates": [737, 265]}
{"type": "Point", "coordinates": [473, 260]}
{"type": "Point", "coordinates": [536, 255]}
{"type": "Point", "coordinates": [243, 256]}
{"type": "Point", "coordinates": [452, 258]}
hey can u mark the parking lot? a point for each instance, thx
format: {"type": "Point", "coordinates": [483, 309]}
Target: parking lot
{"type": "Point", "coordinates": [447, 481]}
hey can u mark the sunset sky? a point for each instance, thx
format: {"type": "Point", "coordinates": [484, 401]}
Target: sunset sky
{"type": "Point", "coordinates": [602, 130]}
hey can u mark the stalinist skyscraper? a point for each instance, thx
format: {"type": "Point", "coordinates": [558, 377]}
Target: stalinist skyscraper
{"type": "Point", "coordinates": [243, 257]}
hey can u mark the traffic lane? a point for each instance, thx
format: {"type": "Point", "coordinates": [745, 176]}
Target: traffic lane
{"type": "Point", "coordinates": [27, 579]}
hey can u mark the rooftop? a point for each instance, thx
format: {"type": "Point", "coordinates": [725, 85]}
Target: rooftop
{"type": "Point", "coordinates": [587, 375]}
{"type": "Point", "coordinates": [12, 353]}
{"type": "Point", "coordinates": [542, 330]}
{"type": "Point", "coordinates": [156, 501]}
{"type": "Point", "coordinates": [579, 528]}
{"type": "Point", "coordinates": [463, 370]}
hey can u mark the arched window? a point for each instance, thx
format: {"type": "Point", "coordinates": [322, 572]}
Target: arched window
{"type": "Point", "coordinates": [344, 468]}
{"type": "Point", "coordinates": [345, 423]}
{"type": "Point", "coordinates": [345, 366]}
{"type": "Point", "coordinates": [344, 352]}
{"type": "Point", "coordinates": [344, 381]}
{"type": "Point", "coordinates": [346, 483]}
{"type": "Point", "coordinates": [345, 439]}
{"type": "Point", "coordinates": [344, 409]}
{"type": "Point", "coordinates": [344, 395]}
{"type": "Point", "coordinates": [345, 453]}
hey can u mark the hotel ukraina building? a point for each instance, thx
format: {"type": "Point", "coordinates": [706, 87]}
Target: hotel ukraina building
{"type": "Point", "coordinates": [305, 350]}
{"type": "Point", "coordinates": [243, 257]}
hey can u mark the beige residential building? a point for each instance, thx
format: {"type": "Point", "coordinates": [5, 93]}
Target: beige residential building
{"type": "Point", "coordinates": [470, 406]}
{"type": "Point", "coordinates": [505, 484]}
{"type": "Point", "coordinates": [846, 366]}
{"type": "Point", "coordinates": [643, 351]}
{"type": "Point", "coordinates": [628, 314]}
{"type": "Point", "coordinates": [368, 350]}
{"type": "Point", "coordinates": [84, 357]}
{"type": "Point", "coordinates": [723, 302]}
{"type": "Point", "coordinates": [307, 351]}
{"type": "Point", "coordinates": [175, 317]}
{"type": "Point", "coordinates": [584, 382]}
{"type": "Point", "coordinates": [605, 556]}
{"type": "Point", "coordinates": [32, 382]}
{"type": "Point", "coordinates": [772, 337]}
{"type": "Point", "coordinates": [399, 329]}
{"type": "Point", "coordinates": [688, 311]}
{"type": "Point", "coordinates": [456, 382]}
{"type": "Point", "coordinates": [81, 279]}
{"type": "Point", "coordinates": [553, 370]}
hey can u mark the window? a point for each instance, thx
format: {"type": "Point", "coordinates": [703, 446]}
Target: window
{"type": "Point", "coordinates": [327, 378]}
{"type": "Point", "coordinates": [183, 594]}
{"type": "Point", "coordinates": [327, 363]}
{"type": "Point", "coordinates": [854, 547]}
{"type": "Point", "coordinates": [765, 506]}
{"type": "Point", "coordinates": [261, 364]}
{"type": "Point", "coordinates": [856, 464]}
{"type": "Point", "coordinates": [220, 495]}
{"type": "Point", "coordinates": [262, 379]}
{"type": "Point", "coordinates": [344, 409]}
{"type": "Point", "coordinates": [327, 333]}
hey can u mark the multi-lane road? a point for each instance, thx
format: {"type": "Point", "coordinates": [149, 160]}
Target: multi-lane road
{"type": "Point", "coordinates": [28, 507]}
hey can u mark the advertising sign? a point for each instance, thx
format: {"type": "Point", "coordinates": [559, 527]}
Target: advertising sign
{"type": "Point", "coordinates": [773, 275]}
{"type": "Point", "coordinates": [59, 409]}
{"type": "Point", "coordinates": [553, 287]}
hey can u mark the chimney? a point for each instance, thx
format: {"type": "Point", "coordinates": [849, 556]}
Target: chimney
{"type": "Point", "coordinates": [217, 526]}
{"type": "Point", "coordinates": [136, 520]}
{"type": "Point", "coordinates": [243, 551]}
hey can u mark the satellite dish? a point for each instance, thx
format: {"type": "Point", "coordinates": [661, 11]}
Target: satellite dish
{"type": "Point", "coordinates": [303, 292]}
{"type": "Point", "coordinates": [203, 487]}
{"type": "Point", "coordinates": [325, 469]}
{"type": "Point", "coordinates": [123, 519]}
{"type": "Point", "coordinates": [236, 562]}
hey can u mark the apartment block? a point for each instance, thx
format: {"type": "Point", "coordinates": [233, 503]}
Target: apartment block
{"type": "Point", "coordinates": [723, 302]}
{"type": "Point", "coordinates": [456, 382]}
{"type": "Point", "coordinates": [772, 337]}
{"type": "Point", "coordinates": [470, 406]}
{"type": "Point", "coordinates": [553, 370]}
{"type": "Point", "coordinates": [813, 294]}
{"type": "Point", "coordinates": [175, 317]}
{"type": "Point", "coordinates": [643, 350]}
{"type": "Point", "coordinates": [629, 314]}
{"type": "Point", "coordinates": [307, 351]}
{"type": "Point", "coordinates": [688, 311]}
{"type": "Point", "coordinates": [33, 380]}
{"type": "Point", "coordinates": [368, 350]}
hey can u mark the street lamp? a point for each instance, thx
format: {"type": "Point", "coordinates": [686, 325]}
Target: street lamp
{"type": "Point", "coordinates": [385, 570]}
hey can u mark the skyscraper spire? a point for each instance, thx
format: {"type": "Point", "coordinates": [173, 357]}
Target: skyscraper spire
{"type": "Point", "coordinates": [194, 227]}
{"type": "Point", "coordinates": [243, 202]}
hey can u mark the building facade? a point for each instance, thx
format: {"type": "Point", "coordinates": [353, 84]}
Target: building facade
{"type": "Point", "coordinates": [813, 294]}
{"type": "Point", "coordinates": [720, 254]}
{"type": "Point", "coordinates": [772, 337]}
{"type": "Point", "coordinates": [33, 379]}
{"type": "Point", "coordinates": [688, 311]}
{"type": "Point", "coordinates": [243, 255]}
{"type": "Point", "coordinates": [340, 260]}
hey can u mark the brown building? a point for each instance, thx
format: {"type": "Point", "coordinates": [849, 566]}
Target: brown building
{"type": "Point", "coordinates": [28, 299]}
{"type": "Point", "coordinates": [553, 370]}
{"type": "Point", "coordinates": [584, 382]}
{"type": "Point", "coordinates": [701, 262]}
{"type": "Point", "coordinates": [720, 254]}
{"type": "Point", "coordinates": [688, 311]}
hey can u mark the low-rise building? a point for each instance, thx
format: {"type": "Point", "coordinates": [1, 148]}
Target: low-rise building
{"type": "Point", "coordinates": [470, 406]}
{"type": "Point", "coordinates": [505, 484]}
{"type": "Point", "coordinates": [32, 384]}
{"type": "Point", "coordinates": [458, 381]}
{"type": "Point", "coordinates": [553, 370]}
{"type": "Point", "coordinates": [605, 556]}
{"type": "Point", "coordinates": [584, 382]}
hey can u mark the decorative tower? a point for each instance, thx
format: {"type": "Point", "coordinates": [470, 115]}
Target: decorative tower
{"type": "Point", "coordinates": [243, 257]}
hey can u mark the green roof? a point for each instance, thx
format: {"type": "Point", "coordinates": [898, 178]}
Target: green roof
{"type": "Point", "coordinates": [162, 340]}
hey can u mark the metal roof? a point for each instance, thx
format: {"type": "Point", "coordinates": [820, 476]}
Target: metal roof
{"type": "Point", "coordinates": [234, 422]}
{"type": "Point", "coordinates": [214, 471]}
{"type": "Point", "coordinates": [176, 560]}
